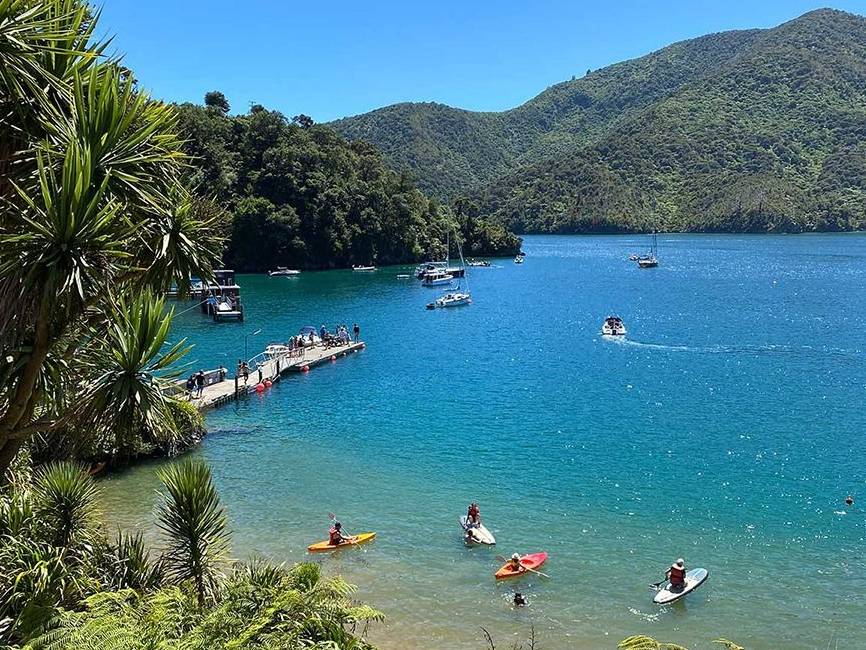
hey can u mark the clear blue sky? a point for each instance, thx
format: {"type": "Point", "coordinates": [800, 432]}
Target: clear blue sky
{"type": "Point", "coordinates": [331, 59]}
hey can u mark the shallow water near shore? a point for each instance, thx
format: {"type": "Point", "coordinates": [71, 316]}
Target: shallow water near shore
{"type": "Point", "coordinates": [727, 429]}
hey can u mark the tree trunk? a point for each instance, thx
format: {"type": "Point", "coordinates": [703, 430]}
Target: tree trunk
{"type": "Point", "coordinates": [7, 454]}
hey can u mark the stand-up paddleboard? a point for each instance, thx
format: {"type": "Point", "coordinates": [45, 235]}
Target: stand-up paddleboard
{"type": "Point", "coordinates": [694, 579]}
{"type": "Point", "coordinates": [352, 541]}
{"type": "Point", "coordinates": [480, 534]}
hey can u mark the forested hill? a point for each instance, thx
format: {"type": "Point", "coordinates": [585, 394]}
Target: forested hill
{"type": "Point", "coordinates": [752, 131]}
{"type": "Point", "coordinates": [298, 194]}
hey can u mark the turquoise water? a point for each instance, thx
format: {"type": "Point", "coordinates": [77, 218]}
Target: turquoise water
{"type": "Point", "coordinates": [727, 429]}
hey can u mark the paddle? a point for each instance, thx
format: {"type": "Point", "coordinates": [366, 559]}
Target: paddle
{"type": "Point", "coordinates": [502, 558]}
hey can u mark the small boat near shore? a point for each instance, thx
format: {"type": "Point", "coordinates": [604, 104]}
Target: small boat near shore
{"type": "Point", "coordinates": [318, 547]}
{"type": "Point", "coordinates": [527, 562]}
{"type": "Point", "coordinates": [282, 270]}
{"type": "Point", "coordinates": [478, 263]}
{"type": "Point", "coordinates": [613, 326]}
{"type": "Point", "coordinates": [364, 269]}
{"type": "Point", "coordinates": [650, 260]}
{"type": "Point", "coordinates": [451, 299]}
{"type": "Point", "coordinates": [436, 278]}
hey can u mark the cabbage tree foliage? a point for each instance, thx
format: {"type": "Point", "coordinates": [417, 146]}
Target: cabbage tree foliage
{"type": "Point", "coordinates": [94, 222]}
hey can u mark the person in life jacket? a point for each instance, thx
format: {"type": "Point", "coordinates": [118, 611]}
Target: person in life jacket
{"type": "Point", "coordinates": [335, 535]}
{"type": "Point", "coordinates": [473, 514]}
{"type": "Point", "coordinates": [677, 574]}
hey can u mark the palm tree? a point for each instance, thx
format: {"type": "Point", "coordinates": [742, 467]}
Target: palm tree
{"type": "Point", "coordinates": [195, 527]}
{"type": "Point", "coordinates": [91, 212]}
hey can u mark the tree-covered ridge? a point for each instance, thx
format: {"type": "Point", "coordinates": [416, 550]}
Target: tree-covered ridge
{"type": "Point", "coordinates": [773, 141]}
{"type": "Point", "coordinates": [451, 150]}
{"type": "Point", "coordinates": [304, 197]}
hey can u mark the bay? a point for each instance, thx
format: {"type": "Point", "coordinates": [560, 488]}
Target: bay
{"type": "Point", "coordinates": [727, 429]}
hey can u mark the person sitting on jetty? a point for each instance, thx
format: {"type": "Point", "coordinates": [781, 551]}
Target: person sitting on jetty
{"type": "Point", "coordinates": [335, 535]}
{"type": "Point", "coordinates": [473, 514]}
{"type": "Point", "coordinates": [677, 574]}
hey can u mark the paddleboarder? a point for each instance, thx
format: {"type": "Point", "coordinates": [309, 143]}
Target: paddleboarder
{"type": "Point", "coordinates": [677, 574]}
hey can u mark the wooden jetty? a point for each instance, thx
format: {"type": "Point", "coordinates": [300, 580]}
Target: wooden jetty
{"type": "Point", "coordinates": [220, 388]}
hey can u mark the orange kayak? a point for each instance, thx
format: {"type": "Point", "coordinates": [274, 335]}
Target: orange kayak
{"type": "Point", "coordinates": [531, 561]}
{"type": "Point", "coordinates": [353, 541]}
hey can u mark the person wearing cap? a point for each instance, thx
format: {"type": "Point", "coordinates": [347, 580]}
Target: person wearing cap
{"type": "Point", "coordinates": [677, 574]}
{"type": "Point", "coordinates": [514, 563]}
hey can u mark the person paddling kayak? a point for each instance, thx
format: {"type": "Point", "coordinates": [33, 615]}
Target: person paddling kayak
{"type": "Point", "coordinates": [677, 574]}
{"type": "Point", "coordinates": [335, 535]}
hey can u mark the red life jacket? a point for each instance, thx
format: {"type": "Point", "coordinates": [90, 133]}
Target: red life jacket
{"type": "Point", "coordinates": [678, 576]}
{"type": "Point", "coordinates": [334, 536]}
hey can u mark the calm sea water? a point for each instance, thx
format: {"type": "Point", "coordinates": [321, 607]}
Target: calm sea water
{"type": "Point", "coordinates": [727, 429]}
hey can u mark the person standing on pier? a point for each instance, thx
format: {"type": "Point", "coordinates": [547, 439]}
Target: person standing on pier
{"type": "Point", "coordinates": [357, 332]}
{"type": "Point", "coordinates": [199, 383]}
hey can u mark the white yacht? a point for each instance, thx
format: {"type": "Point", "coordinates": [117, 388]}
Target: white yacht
{"type": "Point", "coordinates": [613, 326]}
{"type": "Point", "coordinates": [282, 270]}
{"type": "Point", "coordinates": [451, 299]}
{"type": "Point", "coordinates": [436, 278]}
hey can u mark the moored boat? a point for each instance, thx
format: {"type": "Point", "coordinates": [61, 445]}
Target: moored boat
{"type": "Point", "coordinates": [364, 269]}
{"type": "Point", "coordinates": [650, 260]}
{"type": "Point", "coordinates": [613, 326]}
{"type": "Point", "coordinates": [451, 299]}
{"type": "Point", "coordinates": [282, 270]}
{"type": "Point", "coordinates": [436, 278]}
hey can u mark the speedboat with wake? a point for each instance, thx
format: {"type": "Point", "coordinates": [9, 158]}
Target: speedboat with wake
{"type": "Point", "coordinates": [613, 326]}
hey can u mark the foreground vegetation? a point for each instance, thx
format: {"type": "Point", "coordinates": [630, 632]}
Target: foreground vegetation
{"type": "Point", "coordinates": [64, 585]}
{"type": "Point", "coordinates": [751, 131]}
{"type": "Point", "coordinates": [298, 194]}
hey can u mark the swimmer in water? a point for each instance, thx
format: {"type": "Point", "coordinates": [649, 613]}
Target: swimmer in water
{"type": "Point", "coordinates": [519, 600]}
{"type": "Point", "coordinates": [849, 500]}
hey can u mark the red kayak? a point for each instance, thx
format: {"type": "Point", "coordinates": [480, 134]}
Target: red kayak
{"type": "Point", "coordinates": [531, 561]}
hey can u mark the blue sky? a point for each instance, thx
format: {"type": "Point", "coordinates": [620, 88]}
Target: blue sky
{"type": "Point", "coordinates": [331, 59]}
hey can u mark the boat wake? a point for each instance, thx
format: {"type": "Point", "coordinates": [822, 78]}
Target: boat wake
{"type": "Point", "coordinates": [792, 350]}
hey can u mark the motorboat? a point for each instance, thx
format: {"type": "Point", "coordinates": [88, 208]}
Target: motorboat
{"type": "Point", "coordinates": [613, 326]}
{"type": "Point", "coordinates": [436, 278]}
{"type": "Point", "coordinates": [282, 270]}
{"type": "Point", "coordinates": [364, 269]}
{"type": "Point", "coordinates": [309, 336]}
{"type": "Point", "coordinates": [451, 299]}
{"type": "Point", "coordinates": [478, 263]}
{"type": "Point", "coordinates": [403, 276]}
{"type": "Point", "coordinates": [275, 350]}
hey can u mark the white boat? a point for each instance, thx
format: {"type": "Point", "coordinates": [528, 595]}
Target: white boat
{"type": "Point", "coordinates": [451, 299]}
{"type": "Point", "coordinates": [518, 259]}
{"type": "Point", "coordinates": [668, 594]}
{"type": "Point", "coordinates": [480, 534]}
{"type": "Point", "coordinates": [478, 263]}
{"type": "Point", "coordinates": [650, 260]}
{"type": "Point", "coordinates": [364, 269]}
{"type": "Point", "coordinates": [436, 278]}
{"type": "Point", "coordinates": [282, 270]}
{"type": "Point", "coordinates": [275, 350]}
{"type": "Point", "coordinates": [403, 276]}
{"type": "Point", "coordinates": [613, 326]}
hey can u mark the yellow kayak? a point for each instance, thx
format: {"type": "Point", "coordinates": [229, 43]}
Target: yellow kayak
{"type": "Point", "coordinates": [353, 541]}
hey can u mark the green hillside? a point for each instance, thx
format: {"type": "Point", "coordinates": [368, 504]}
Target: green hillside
{"type": "Point", "coordinates": [298, 194]}
{"type": "Point", "coordinates": [450, 151]}
{"type": "Point", "coordinates": [739, 131]}
{"type": "Point", "coordinates": [773, 141]}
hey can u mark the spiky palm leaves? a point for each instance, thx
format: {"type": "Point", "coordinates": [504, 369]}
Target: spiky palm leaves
{"type": "Point", "coordinates": [195, 528]}
{"type": "Point", "coordinates": [91, 210]}
{"type": "Point", "coordinates": [265, 607]}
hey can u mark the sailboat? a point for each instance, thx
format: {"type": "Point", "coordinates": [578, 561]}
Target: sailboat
{"type": "Point", "coordinates": [454, 297]}
{"type": "Point", "coordinates": [651, 260]}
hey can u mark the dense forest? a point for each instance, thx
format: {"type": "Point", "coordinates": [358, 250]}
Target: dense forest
{"type": "Point", "coordinates": [750, 131]}
{"type": "Point", "coordinates": [299, 195]}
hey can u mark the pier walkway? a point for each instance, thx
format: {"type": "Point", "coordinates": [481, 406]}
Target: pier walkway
{"type": "Point", "coordinates": [221, 389]}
